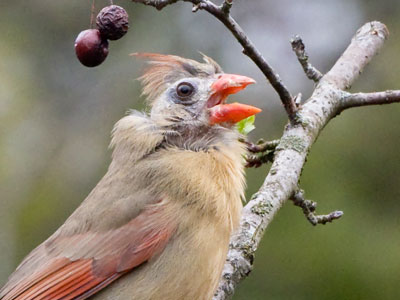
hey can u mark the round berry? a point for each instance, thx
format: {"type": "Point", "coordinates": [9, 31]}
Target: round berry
{"type": "Point", "coordinates": [90, 48]}
{"type": "Point", "coordinates": [112, 21]}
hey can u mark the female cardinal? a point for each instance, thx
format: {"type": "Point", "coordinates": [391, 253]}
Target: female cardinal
{"type": "Point", "coordinates": [157, 225]}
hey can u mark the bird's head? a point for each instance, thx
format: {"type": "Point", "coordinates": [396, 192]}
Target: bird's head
{"type": "Point", "coordinates": [183, 92]}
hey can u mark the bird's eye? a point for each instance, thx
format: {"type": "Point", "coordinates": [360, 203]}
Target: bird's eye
{"type": "Point", "coordinates": [184, 90]}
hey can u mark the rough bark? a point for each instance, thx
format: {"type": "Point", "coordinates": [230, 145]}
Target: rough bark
{"type": "Point", "coordinates": [282, 181]}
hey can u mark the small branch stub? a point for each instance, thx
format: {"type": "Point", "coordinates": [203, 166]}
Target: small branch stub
{"type": "Point", "coordinates": [299, 49]}
{"type": "Point", "coordinates": [298, 99]}
{"type": "Point", "coordinates": [226, 6]}
{"type": "Point", "coordinates": [195, 7]}
{"type": "Point", "coordinates": [309, 207]}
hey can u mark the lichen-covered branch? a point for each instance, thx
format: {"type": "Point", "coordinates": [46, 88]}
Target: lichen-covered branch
{"type": "Point", "coordinates": [222, 13]}
{"type": "Point", "coordinates": [299, 49]}
{"type": "Point", "coordinates": [290, 154]}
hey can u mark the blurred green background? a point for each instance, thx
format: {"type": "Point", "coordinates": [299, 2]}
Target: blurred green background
{"type": "Point", "coordinates": [56, 117]}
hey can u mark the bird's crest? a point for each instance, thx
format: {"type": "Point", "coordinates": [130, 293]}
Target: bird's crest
{"type": "Point", "coordinates": [163, 70]}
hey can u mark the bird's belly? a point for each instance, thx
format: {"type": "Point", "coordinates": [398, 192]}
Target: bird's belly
{"type": "Point", "coordinates": [189, 268]}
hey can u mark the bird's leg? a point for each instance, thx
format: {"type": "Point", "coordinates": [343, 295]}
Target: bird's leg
{"type": "Point", "coordinates": [261, 145]}
{"type": "Point", "coordinates": [255, 161]}
{"type": "Point", "coordinates": [263, 152]}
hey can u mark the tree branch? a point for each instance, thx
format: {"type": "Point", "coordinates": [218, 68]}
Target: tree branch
{"type": "Point", "coordinates": [159, 4]}
{"type": "Point", "coordinates": [364, 99]}
{"type": "Point", "coordinates": [299, 49]}
{"type": "Point", "coordinates": [252, 52]}
{"type": "Point", "coordinates": [309, 207]}
{"type": "Point", "coordinates": [222, 14]}
{"type": "Point", "coordinates": [291, 153]}
{"type": "Point", "coordinates": [359, 53]}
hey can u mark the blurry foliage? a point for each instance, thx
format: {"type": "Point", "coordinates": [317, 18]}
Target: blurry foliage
{"type": "Point", "coordinates": [56, 117]}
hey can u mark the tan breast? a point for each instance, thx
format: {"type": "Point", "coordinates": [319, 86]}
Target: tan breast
{"type": "Point", "coordinates": [204, 191]}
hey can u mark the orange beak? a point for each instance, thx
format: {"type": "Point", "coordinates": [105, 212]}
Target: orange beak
{"type": "Point", "coordinates": [224, 86]}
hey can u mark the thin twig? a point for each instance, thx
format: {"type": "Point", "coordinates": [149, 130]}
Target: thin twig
{"type": "Point", "coordinates": [309, 207]}
{"type": "Point", "coordinates": [363, 99]}
{"type": "Point", "coordinates": [160, 4]}
{"type": "Point", "coordinates": [252, 52]}
{"type": "Point", "coordinates": [92, 14]}
{"type": "Point", "coordinates": [220, 12]}
{"type": "Point", "coordinates": [299, 48]}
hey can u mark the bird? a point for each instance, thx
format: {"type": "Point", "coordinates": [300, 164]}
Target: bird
{"type": "Point", "coordinates": [158, 224]}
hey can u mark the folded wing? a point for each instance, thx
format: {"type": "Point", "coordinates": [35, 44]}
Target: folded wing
{"type": "Point", "coordinates": [77, 266]}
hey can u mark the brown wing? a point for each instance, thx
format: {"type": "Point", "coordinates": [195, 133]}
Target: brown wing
{"type": "Point", "coordinates": [77, 266]}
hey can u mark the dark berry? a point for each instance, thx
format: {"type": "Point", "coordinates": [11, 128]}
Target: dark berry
{"type": "Point", "coordinates": [90, 48]}
{"type": "Point", "coordinates": [112, 21]}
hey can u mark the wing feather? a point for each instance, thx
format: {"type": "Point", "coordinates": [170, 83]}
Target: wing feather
{"type": "Point", "coordinates": [79, 265]}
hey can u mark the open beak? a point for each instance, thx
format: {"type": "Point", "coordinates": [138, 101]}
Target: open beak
{"type": "Point", "coordinates": [225, 85]}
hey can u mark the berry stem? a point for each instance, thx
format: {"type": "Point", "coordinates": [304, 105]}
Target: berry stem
{"type": "Point", "coordinates": [92, 15]}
